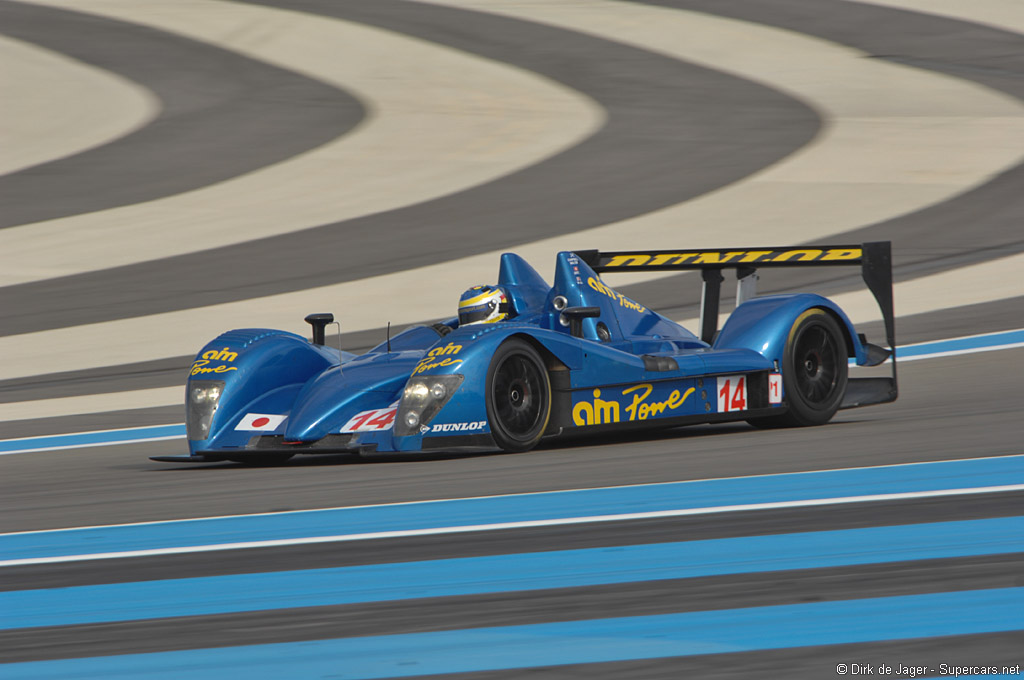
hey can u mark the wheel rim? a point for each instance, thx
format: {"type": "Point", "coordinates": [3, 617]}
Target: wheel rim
{"type": "Point", "coordinates": [517, 394]}
{"type": "Point", "coordinates": [816, 357]}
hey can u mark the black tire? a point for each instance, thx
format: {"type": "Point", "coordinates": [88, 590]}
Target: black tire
{"type": "Point", "coordinates": [518, 396]}
{"type": "Point", "coordinates": [814, 372]}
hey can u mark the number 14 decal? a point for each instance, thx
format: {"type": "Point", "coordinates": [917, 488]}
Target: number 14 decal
{"type": "Point", "coordinates": [369, 421]}
{"type": "Point", "coordinates": [732, 393]}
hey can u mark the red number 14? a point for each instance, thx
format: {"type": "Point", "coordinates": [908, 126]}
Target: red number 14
{"type": "Point", "coordinates": [730, 399]}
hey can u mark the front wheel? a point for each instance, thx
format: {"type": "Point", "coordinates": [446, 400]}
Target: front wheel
{"type": "Point", "coordinates": [518, 396]}
{"type": "Point", "coordinates": [814, 372]}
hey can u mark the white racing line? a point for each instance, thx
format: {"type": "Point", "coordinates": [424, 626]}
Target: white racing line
{"type": "Point", "coordinates": [55, 106]}
{"type": "Point", "coordinates": [505, 526]}
{"type": "Point", "coordinates": [889, 132]}
{"type": "Point", "coordinates": [183, 532]}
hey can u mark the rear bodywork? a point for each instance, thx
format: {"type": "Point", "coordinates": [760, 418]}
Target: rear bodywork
{"type": "Point", "coordinates": [612, 363]}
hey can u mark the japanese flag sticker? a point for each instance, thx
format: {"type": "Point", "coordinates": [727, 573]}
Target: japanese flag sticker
{"type": "Point", "coordinates": [260, 422]}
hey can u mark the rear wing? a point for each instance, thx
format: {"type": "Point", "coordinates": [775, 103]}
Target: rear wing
{"type": "Point", "coordinates": [874, 260]}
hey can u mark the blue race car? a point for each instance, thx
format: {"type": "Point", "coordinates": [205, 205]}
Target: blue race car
{"type": "Point", "coordinates": [525, 360]}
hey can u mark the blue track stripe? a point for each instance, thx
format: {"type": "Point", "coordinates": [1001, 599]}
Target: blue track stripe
{"type": "Point", "coordinates": [977, 342]}
{"type": "Point", "coordinates": [507, 573]}
{"type": "Point", "coordinates": [77, 439]}
{"type": "Point", "coordinates": [502, 509]}
{"type": "Point", "coordinates": [573, 642]}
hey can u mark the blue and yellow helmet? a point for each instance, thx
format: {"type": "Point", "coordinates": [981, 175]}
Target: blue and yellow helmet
{"type": "Point", "coordinates": [483, 304]}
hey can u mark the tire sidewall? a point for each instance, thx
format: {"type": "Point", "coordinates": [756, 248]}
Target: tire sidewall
{"type": "Point", "coordinates": [801, 411]}
{"type": "Point", "coordinates": [505, 440]}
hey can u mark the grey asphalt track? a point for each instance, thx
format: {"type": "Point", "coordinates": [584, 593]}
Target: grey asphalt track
{"type": "Point", "coordinates": [950, 408]}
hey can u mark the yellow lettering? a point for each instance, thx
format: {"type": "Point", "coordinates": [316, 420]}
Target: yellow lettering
{"type": "Point", "coordinates": [717, 258]}
{"type": "Point", "coordinates": [203, 366]}
{"type": "Point", "coordinates": [450, 348]}
{"type": "Point", "coordinates": [429, 364]}
{"type": "Point", "coordinates": [675, 400]}
{"type": "Point", "coordinates": [733, 256]}
{"type": "Point", "coordinates": [601, 287]}
{"type": "Point", "coordinates": [220, 355]}
{"type": "Point", "coordinates": [754, 255]}
{"type": "Point", "coordinates": [632, 409]}
{"type": "Point", "coordinates": [671, 258]}
{"type": "Point", "coordinates": [639, 409]}
{"type": "Point", "coordinates": [843, 254]}
{"type": "Point", "coordinates": [628, 261]}
{"type": "Point", "coordinates": [801, 255]}
{"type": "Point", "coordinates": [583, 414]}
{"type": "Point", "coordinates": [226, 355]}
{"type": "Point", "coordinates": [600, 412]}
{"type": "Point", "coordinates": [605, 411]}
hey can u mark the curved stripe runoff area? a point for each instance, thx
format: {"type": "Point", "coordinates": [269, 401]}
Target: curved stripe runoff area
{"type": "Point", "coordinates": [660, 138]}
{"type": "Point", "coordinates": [479, 120]}
{"type": "Point", "coordinates": [885, 150]}
{"type": "Point", "coordinates": [1002, 14]}
{"type": "Point", "coordinates": [55, 106]}
{"type": "Point", "coordinates": [221, 115]}
{"type": "Point", "coordinates": [835, 184]}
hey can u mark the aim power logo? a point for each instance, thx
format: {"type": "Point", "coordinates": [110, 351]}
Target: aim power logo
{"type": "Point", "coordinates": [202, 365]}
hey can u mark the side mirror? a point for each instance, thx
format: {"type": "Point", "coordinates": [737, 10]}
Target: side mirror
{"type": "Point", "coordinates": [573, 318]}
{"type": "Point", "coordinates": [319, 323]}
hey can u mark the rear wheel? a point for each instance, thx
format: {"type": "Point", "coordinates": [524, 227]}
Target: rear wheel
{"type": "Point", "coordinates": [518, 396]}
{"type": "Point", "coordinates": [814, 372]}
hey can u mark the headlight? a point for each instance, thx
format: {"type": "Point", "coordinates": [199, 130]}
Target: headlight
{"type": "Point", "coordinates": [421, 400]}
{"type": "Point", "coordinates": [201, 394]}
{"type": "Point", "coordinates": [200, 403]}
{"type": "Point", "coordinates": [411, 419]}
{"type": "Point", "coordinates": [416, 393]}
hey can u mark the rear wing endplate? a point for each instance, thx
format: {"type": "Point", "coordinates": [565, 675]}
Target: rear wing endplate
{"type": "Point", "coordinates": [873, 258]}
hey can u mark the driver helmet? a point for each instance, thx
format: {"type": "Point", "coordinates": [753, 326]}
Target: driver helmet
{"type": "Point", "coordinates": [483, 304]}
